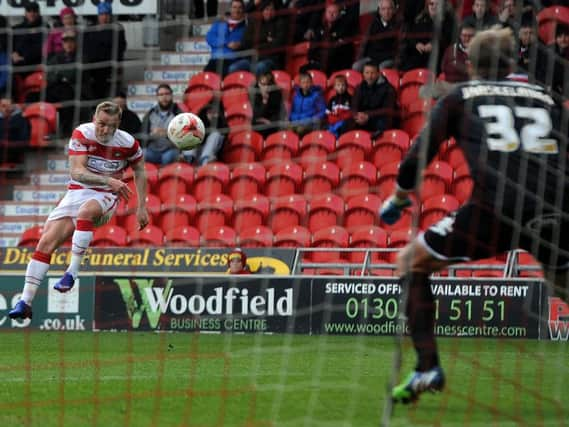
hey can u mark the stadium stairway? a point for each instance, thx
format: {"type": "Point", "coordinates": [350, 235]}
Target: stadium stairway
{"type": "Point", "coordinates": [176, 67]}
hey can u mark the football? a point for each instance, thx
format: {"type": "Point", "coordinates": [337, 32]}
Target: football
{"type": "Point", "coordinates": [186, 130]}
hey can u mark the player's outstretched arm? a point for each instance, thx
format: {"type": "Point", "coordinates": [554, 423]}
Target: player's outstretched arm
{"type": "Point", "coordinates": [140, 183]}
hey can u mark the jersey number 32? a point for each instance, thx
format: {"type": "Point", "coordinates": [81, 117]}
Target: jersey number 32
{"type": "Point", "coordinates": [503, 135]}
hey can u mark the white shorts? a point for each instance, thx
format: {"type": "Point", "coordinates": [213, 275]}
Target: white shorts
{"type": "Point", "coordinates": [74, 199]}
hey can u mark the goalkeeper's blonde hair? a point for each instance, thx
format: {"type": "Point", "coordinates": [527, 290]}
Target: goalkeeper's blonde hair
{"type": "Point", "coordinates": [491, 53]}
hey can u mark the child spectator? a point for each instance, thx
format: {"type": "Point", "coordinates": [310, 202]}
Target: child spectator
{"type": "Point", "coordinates": [308, 106]}
{"type": "Point", "coordinates": [339, 106]}
{"type": "Point", "coordinates": [54, 42]}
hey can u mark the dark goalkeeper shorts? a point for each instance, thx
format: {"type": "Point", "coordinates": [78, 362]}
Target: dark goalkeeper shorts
{"type": "Point", "coordinates": [475, 232]}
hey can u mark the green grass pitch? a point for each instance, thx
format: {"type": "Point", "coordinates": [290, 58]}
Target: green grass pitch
{"type": "Point", "coordinates": [185, 379]}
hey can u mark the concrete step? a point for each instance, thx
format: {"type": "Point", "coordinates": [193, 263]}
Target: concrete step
{"type": "Point", "coordinates": [35, 193]}
{"type": "Point", "coordinates": [49, 178]}
{"type": "Point", "coordinates": [141, 104]}
{"type": "Point", "coordinates": [149, 87]}
{"type": "Point", "coordinates": [175, 58]}
{"type": "Point", "coordinates": [11, 208]}
{"type": "Point", "coordinates": [200, 30]}
{"type": "Point", "coordinates": [170, 73]}
{"type": "Point", "coordinates": [13, 225]}
{"type": "Point", "coordinates": [9, 240]}
{"type": "Point", "coordinates": [192, 45]}
{"type": "Point", "coordinates": [57, 162]}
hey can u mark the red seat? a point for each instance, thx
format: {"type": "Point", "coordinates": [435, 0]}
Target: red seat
{"type": "Point", "coordinates": [437, 207]}
{"type": "Point", "coordinates": [437, 180]}
{"type": "Point", "coordinates": [525, 259]}
{"type": "Point", "coordinates": [150, 235]}
{"type": "Point", "coordinates": [548, 19]}
{"type": "Point", "coordinates": [246, 180]}
{"type": "Point", "coordinates": [177, 213]}
{"type": "Point", "coordinates": [359, 178]}
{"type": "Point", "coordinates": [453, 154]}
{"type": "Point", "coordinates": [398, 239]}
{"type": "Point", "coordinates": [296, 57]}
{"type": "Point", "coordinates": [391, 146]}
{"type": "Point", "coordinates": [284, 81]}
{"type": "Point", "coordinates": [205, 80]}
{"type": "Point", "coordinates": [462, 184]}
{"type": "Point", "coordinates": [318, 79]}
{"type": "Point", "coordinates": [250, 211]}
{"type": "Point", "coordinates": [331, 237]}
{"type": "Point", "coordinates": [280, 146]}
{"type": "Point", "coordinates": [238, 79]}
{"type": "Point", "coordinates": [256, 237]}
{"type": "Point", "coordinates": [211, 180]}
{"type": "Point", "coordinates": [213, 211]}
{"type": "Point", "coordinates": [195, 100]}
{"type": "Point", "coordinates": [287, 211]}
{"type": "Point", "coordinates": [238, 116]}
{"type": "Point", "coordinates": [387, 178]}
{"type": "Point", "coordinates": [353, 147]}
{"type": "Point", "coordinates": [31, 236]}
{"type": "Point", "coordinates": [153, 205]}
{"type": "Point", "coordinates": [43, 122]}
{"type": "Point", "coordinates": [414, 116]}
{"type": "Point", "coordinates": [151, 172]}
{"type": "Point", "coordinates": [182, 236]}
{"type": "Point", "coordinates": [392, 77]}
{"type": "Point", "coordinates": [34, 82]}
{"type": "Point", "coordinates": [320, 178]}
{"type": "Point", "coordinates": [325, 211]}
{"type": "Point", "coordinates": [219, 237]}
{"type": "Point", "coordinates": [174, 179]}
{"type": "Point", "coordinates": [316, 146]}
{"type": "Point", "coordinates": [362, 210]}
{"type": "Point", "coordinates": [109, 236]}
{"type": "Point", "coordinates": [293, 237]}
{"type": "Point", "coordinates": [411, 82]}
{"type": "Point", "coordinates": [283, 179]}
{"type": "Point", "coordinates": [368, 237]}
{"type": "Point", "coordinates": [242, 147]}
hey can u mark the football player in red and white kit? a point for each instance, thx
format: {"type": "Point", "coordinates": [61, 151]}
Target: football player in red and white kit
{"type": "Point", "coordinates": [99, 153]}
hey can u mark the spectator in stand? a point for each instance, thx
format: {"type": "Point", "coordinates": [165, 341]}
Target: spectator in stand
{"type": "Point", "coordinates": [340, 106]}
{"type": "Point", "coordinates": [306, 14]}
{"type": "Point", "coordinates": [555, 57]}
{"type": "Point", "coordinates": [54, 42]}
{"type": "Point", "coordinates": [374, 103]}
{"type": "Point", "coordinates": [418, 37]}
{"type": "Point", "coordinates": [455, 60]}
{"type": "Point", "coordinates": [308, 108]}
{"type": "Point", "coordinates": [237, 262]}
{"type": "Point", "coordinates": [507, 14]}
{"type": "Point", "coordinates": [528, 46]}
{"type": "Point", "coordinates": [225, 38]}
{"type": "Point", "coordinates": [381, 43]}
{"type": "Point", "coordinates": [216, 130]}
{"type": "Point", "coordinates": [105, 44]}
{"type": "Point", "coordinates": [27, 43]}
{"type": "Point", "coordinates": [267, 33]}
{"type": "Point", "coordinates": [332, 45]}
{"type": "Point", "coordinates": [482, 17]}
{"type": "Point", "coordinates": [158, 148]}
{"type": "Point", "coordinates": [266, 99]}
{"type": "Point", "coordinates": [129, 119]}
{"type": "Point", "coordinates": [65, 83]}
{"type": "Point", "coordinates": [14, 127]}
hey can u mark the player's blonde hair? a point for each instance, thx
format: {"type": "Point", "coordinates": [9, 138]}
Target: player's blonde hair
{"type": "Point", "coordinates": [110, 108]}
{"type": "Point", "coordinates": [491, 53]}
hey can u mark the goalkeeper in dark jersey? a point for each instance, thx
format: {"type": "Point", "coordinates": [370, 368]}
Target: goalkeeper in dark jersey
{"type": "Point", "coordinates": [514, 137]}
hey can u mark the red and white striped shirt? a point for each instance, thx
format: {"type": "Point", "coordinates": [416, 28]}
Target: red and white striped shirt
{"type": "Point", "coordinates": [110, 159]}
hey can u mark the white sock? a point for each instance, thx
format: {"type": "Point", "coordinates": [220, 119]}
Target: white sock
{"type": "Point", "coordinates": [35, 272]}
{"type": "Point", "coordinates": [79, 244]}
